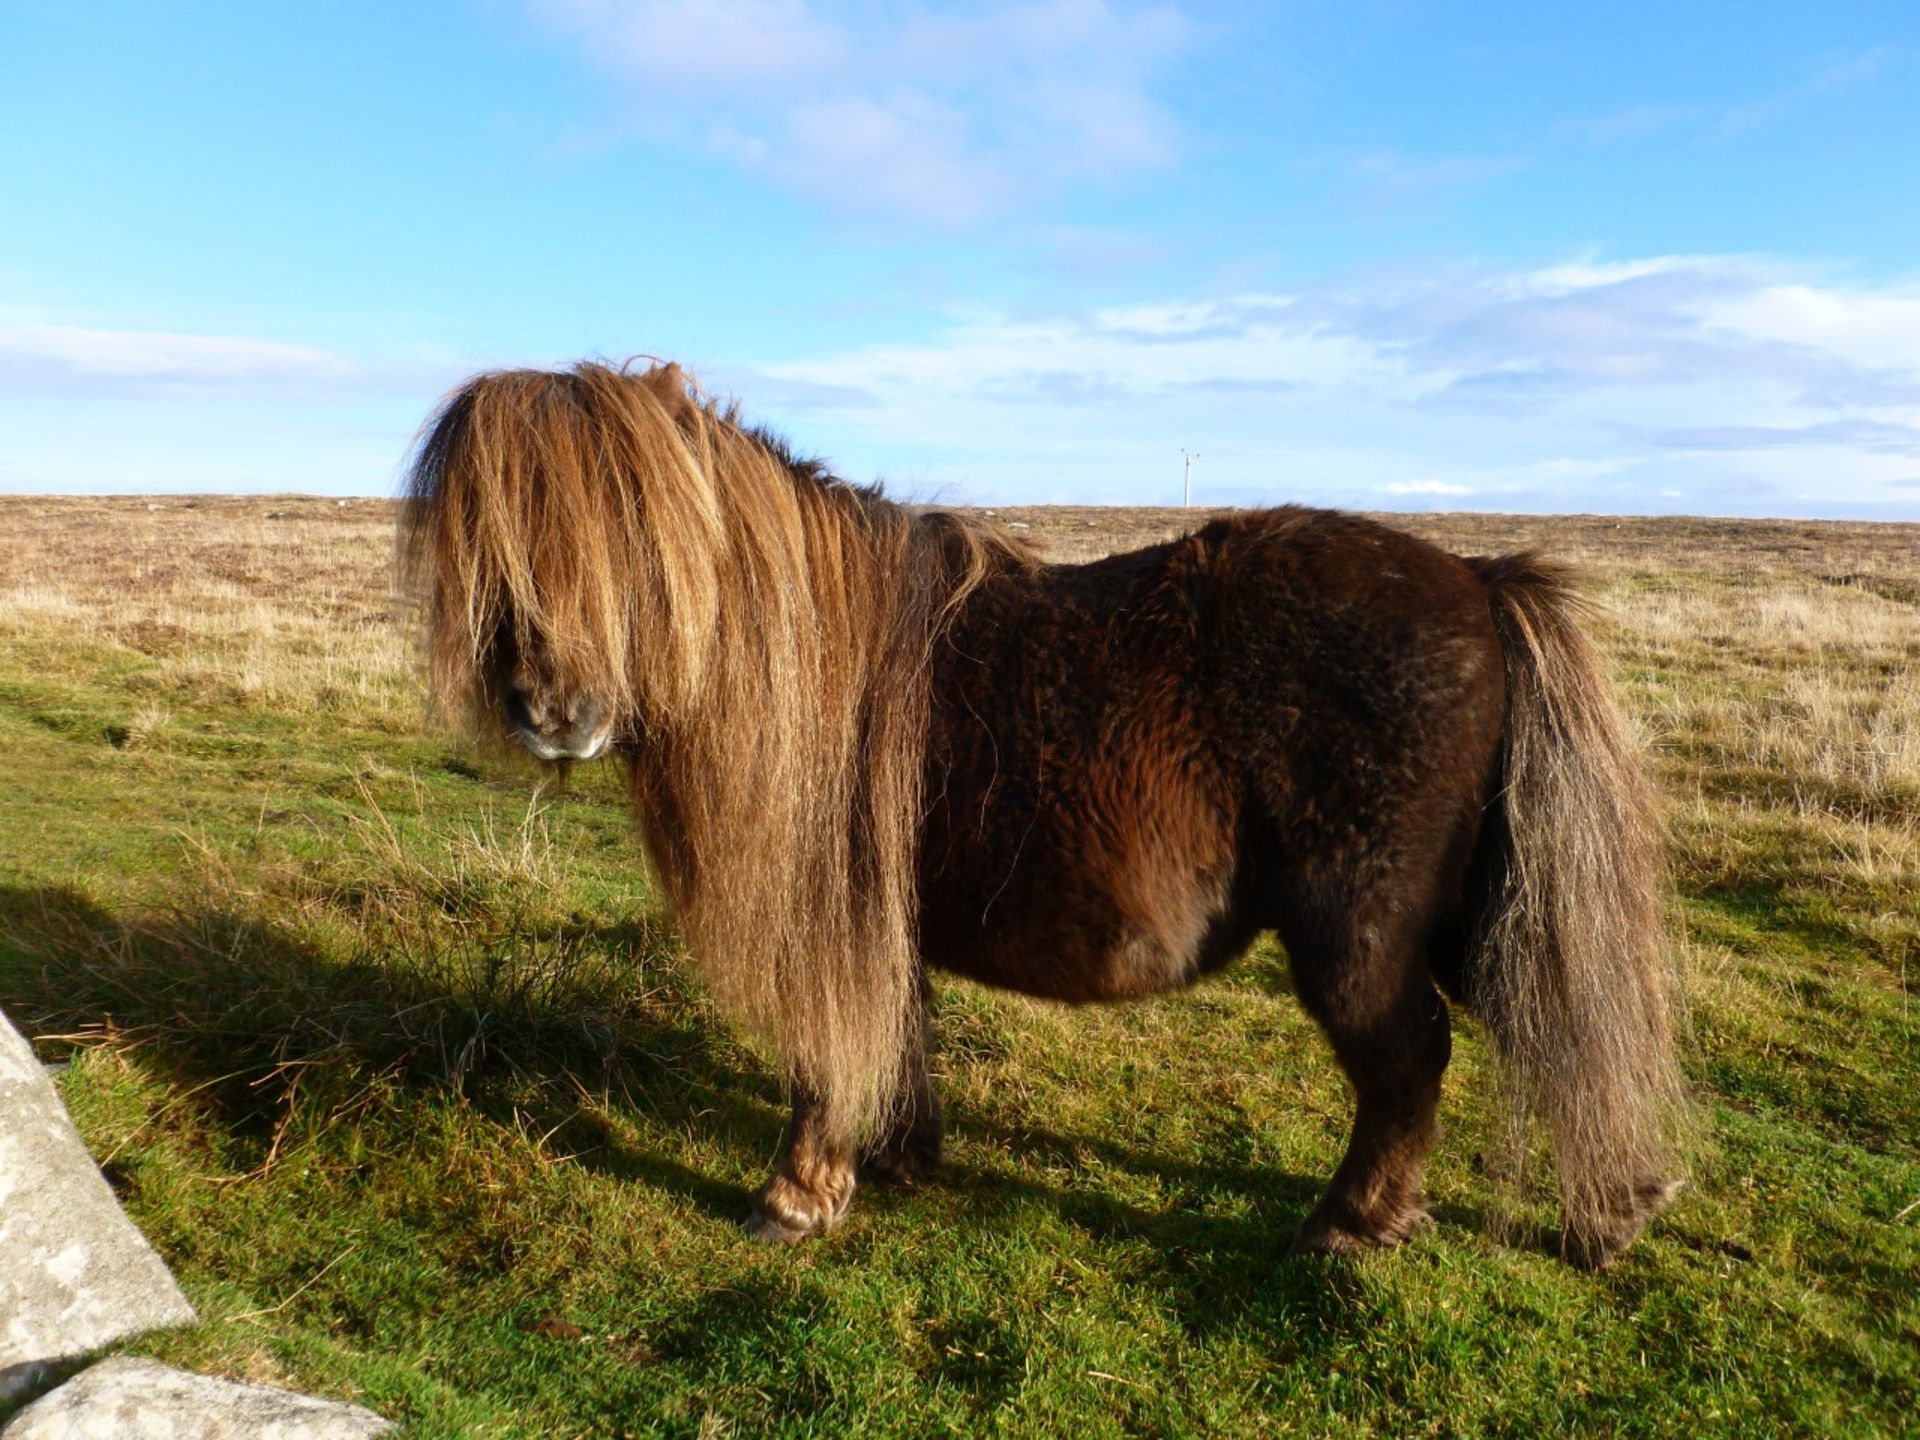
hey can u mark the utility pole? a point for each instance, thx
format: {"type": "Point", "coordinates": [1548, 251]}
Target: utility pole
{"type": "Point", "coordinates": [1186, 499]}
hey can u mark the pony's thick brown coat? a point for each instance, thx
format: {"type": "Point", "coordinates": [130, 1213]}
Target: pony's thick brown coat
{"type": "Point", "coordinates": [864, 742]}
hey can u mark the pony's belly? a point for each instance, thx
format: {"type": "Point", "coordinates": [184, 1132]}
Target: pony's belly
{"type": "Point", "coordinates": [1088, 951]}
{"type": "Point", "coordinates": [1073, 971]}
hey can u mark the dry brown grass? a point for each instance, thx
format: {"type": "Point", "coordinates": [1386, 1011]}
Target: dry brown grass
{"type": "Point", "coordinates": [1800, 638]}
{"type": "Point", "coordinates": [291, 599]}
{"type": "Point", "coordinates": [275, 601]}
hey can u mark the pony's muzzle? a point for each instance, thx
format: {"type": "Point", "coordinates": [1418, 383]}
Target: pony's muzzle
{"type": "Point", "coordinates": [579, 732]}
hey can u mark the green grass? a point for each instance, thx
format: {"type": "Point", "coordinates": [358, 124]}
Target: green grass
{"type": "Point", "coordinates": [405, 1080]}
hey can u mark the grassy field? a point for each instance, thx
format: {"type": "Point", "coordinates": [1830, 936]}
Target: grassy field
{"type": "Point", "coordinates": [386, 1046]}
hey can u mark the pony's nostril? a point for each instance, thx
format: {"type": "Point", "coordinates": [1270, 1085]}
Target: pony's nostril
{"type": "Point", "coordinates": [519, 714]}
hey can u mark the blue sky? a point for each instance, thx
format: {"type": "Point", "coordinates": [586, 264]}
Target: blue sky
{"type": "Point", "coordinates": [1634, 258]}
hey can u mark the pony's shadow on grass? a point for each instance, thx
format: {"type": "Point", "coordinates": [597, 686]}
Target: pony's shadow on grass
{"type": "Point", "coordinates": [251, 1020]}
{"type": "Point", "coordinates": [1216, 1242]}
{"type": "Point", "coordinates": [1215, 1259]}
{"type": "Point", "coordinates": [255, 1023]}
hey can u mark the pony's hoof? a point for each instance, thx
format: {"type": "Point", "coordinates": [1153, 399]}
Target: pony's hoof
{"type": "Point", "coordinates": [1599, 1243]}
{"type": "Point", "coordinates": [902, 1165]}
{"type": "Point", "coordinates": [771, 1229]}
{"type": "Point", "coordinates": [785, 1214]}
{"type": "Point", "coordinates": [1326, 1234]}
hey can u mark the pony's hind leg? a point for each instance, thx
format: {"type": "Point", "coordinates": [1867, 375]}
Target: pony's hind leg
{"type": "Point", "coordinates": [812, 1185]}
{"type": "Point", "coordinates": [1363, 975]}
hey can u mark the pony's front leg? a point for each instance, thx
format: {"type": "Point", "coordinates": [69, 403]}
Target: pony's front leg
{"type": "Point", "coordinates": [810, 1188]}
{"type": "Point", "coordinates": [907, 1149]}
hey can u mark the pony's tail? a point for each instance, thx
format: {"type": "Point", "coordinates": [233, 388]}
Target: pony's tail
{"type": "Point", "coordinates": [1570, 969]}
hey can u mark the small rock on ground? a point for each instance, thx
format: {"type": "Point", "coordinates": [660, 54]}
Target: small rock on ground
{"type": "Point", "coordinates": [75, 1274]}
{"type": "Point", "coordinates": [131, 1399]}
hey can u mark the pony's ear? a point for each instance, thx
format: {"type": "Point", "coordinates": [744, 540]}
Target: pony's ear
{"type": "Point", "coordinates": [667, 381]}
{"type": "Point", "coordinates": [675, 390]}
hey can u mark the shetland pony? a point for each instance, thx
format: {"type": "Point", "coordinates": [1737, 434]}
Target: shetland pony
{"type": "Point", "coordinates": [866, 743]}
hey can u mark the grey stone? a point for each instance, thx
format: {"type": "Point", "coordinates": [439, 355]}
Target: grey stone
{"type": "Point", "coordinates": [74, 1273]}
{"type": "Point", "coordinates": [128, 1399]}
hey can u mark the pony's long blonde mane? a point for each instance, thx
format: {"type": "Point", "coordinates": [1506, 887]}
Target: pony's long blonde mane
{"type": "Point", "coordinates": [763, 633]}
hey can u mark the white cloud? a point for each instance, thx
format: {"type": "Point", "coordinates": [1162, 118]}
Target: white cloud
{"type": "Point", "coordinates": [95, 408]}
{"type": "Point", "coordinates": [689, 46]}
{"type": "Point", "coordinates": [1573, 276]}
{"type": "Point", "coordinates": [1426, 487]}
{"type": "Point", "coordinates": [1846, 73]}
{"type": "Point", "coordinates": [1745, 384]}
{"type": "Point", "coordinates": [911, 111]}
{"type": "Point", "coordinates": [1852, 70]}
{"type": "Point", "coordinates": [77, 356]}
{"type": "Point", "coordinates": [1644, 121]}
{"type": "Point", "coordinates": [1586, 384]}
{"type": "Point", "coordinates": [1871, 327]}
